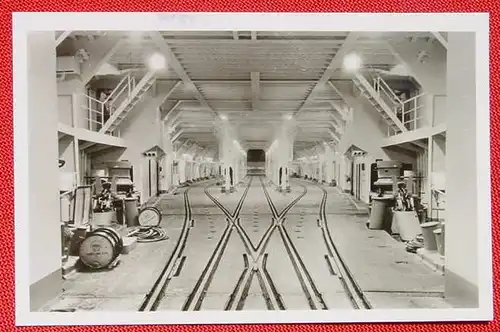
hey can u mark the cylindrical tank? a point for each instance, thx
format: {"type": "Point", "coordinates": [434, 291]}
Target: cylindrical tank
{"type": "Point", "coordinates": [378, 214]}
{"type": "Point", "coordinates": [131, 211]}
{"type": "Point", "coordinates": [428, 229]}
{"type": "Point", "coordinates": [439, 235]}
{"type": "Point", "coordinates": [100, 248]}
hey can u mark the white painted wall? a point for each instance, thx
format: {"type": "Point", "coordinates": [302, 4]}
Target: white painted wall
{"type": "Point", "coordinates": [65, 109]}
{"type": "Point", "coordinates": [461, 172]}
{"type": "Point", "coordinates": [43, 204]}
{"type": "Point", "coordinates": [141, 131]}
{"type": "Point", "coordinates": [431, 74]}
{"type": "Point", "coordinates": [440, 109]}
{"type": "Point", "coordinates": [65, 91]}
{"type": "Point", "coordinates": [366, 130]}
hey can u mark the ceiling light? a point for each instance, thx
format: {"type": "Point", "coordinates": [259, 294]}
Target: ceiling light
{"type": "Point", "coordinates": [157, 62]}
{"type": "Point", "coordinates": [223, 117]}
{"type": "Point", "coordinates": [288, 117]}
{"type": "Point", "coordinates": [352, 62]}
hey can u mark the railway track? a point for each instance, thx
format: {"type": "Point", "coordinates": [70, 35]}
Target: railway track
{"type": "Point", "coordinates": [195, 299]}
{"type": "Point", "coordinates": [158, 291]}
{"type": "Point", "coordinates": [255, 260]}
{"type": "Point", "coordinates": [314, 297]}
{"type": "Point", "coordinates": [351, 288]}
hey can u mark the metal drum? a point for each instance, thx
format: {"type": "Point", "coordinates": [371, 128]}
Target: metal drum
{"type": "Point", "coordinates": [149, 216]}
{"type": "Point", "coordinates": [100, 248]}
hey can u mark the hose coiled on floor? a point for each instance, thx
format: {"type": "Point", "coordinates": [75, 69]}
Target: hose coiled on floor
{"type": "Point", "coordinates": [147, 233]}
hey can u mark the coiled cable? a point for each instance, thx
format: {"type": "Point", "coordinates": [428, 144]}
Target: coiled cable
{"type": "Point", "coordinates": [146, 234]}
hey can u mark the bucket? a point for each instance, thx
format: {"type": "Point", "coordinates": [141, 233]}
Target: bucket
{"type": "Point", "coordinates": [100, 248]}
{"type": "Point", "coordinates": [378, 213]}
{"type": "Point", "coordinates": [439, 238]}
{"type": "Point", "coordinates": [428, 229]}
{"type": "Point", "coordinates": [131, 211]}
{"type": "Point", "coordinates": [407, 224]}
{"type": "Point", "coordinates": [103, 218]}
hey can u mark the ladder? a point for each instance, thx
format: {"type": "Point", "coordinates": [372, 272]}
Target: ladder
{"type": "Point", "coordinates": [376, 98]}
{"type": "Point", "coordinates": [128, 104]}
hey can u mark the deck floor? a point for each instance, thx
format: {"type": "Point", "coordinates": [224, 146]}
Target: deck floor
{"type": "Point", "coordinates": [251, 257]}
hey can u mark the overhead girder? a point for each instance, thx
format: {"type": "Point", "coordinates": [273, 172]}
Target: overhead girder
{"type": "Point", "coordinates": [336, 62]}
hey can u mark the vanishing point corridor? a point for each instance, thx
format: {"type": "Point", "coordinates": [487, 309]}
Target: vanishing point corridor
{"type": "Point", "coordinates": [260, 249]}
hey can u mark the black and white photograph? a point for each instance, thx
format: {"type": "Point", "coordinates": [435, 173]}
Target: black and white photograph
{"type": "Point", "coordinates": [237, 168]}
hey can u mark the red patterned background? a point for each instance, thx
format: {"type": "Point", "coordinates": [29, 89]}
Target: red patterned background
{"type": "Point", "coordinates": [7, 322]}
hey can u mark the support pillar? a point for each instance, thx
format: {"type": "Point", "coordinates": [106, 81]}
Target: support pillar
{"type": "Point", "coordinates": [41, 211]}
{"type": "Point", "coordinates": [461, 231]}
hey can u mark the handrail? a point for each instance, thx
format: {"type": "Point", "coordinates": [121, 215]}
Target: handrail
{"type": "Point", "coordinates": [126, 84]}
{"type": "Point", "coordinates": [67, 193]}
{"type": "Point", "coordinates": [387, 89]}
{"type": "Point", "coordinates": [408, 108]}
{"type": "Point", "coordinates": [116, 88]}
{"type": "Point", "coordinates": [439, 191]}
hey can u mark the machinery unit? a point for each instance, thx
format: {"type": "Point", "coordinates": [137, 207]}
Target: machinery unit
{"type": "Point", "coordinates": [122, 172]}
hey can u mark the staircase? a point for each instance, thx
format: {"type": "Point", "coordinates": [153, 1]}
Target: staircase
{"type": "Point", "coordinates": [134, 95]}
{"type": "Point", "coordinates": [383, 99]}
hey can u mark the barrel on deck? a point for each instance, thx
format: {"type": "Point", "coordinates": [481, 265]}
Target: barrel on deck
{"type": "Point", "coordinates": [100, 248]}
{"type": "Point", "coordinates": [149, 216]}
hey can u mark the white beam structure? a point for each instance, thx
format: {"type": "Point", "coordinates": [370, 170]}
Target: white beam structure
{"type": "Point", "coordinates": [336, 62]}
{"type": "Point", "coordinates": [255, 78]}
{"type": "Point", "coordinates": [179, 69]}
{"type": "Point", "coordinates": [439, 36]}
{"type": "Point", "coordinates": [62, 37]}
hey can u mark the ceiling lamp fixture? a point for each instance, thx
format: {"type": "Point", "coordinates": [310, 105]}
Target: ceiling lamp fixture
{"type": "Point", "coordinates": [352, 62]}
{"type": "Point", "coordinates": [223, 117]}
{"type": "Point", "coordinates": [157, 62]}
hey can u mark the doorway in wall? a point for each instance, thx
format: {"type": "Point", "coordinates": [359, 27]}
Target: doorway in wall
{"type": "Point", "coordinates": [358, 181]}
{"type": "Point", "coordinates": [231, 175]}
{"type": "Point", "coordinates": [153, 178]}
{"type": "Point", "coordinates": [256, 162]}
{"type": "Point", "coordinates": [280, 172]}
{"type": "Point", "coordinates": [352, 177]}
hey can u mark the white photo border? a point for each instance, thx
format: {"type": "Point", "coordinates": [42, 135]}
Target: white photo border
{"type": "Point", "coordinates": [471, 22]}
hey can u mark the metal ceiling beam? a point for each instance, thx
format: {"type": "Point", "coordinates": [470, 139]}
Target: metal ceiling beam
{"type": "Point", "coordinates": [255, 78]}
{"type": "Point", "coordinates": [336, 62]}
{"type": "Point", "coordinates": [260, 41]}
{"type": "Point", "coordinates": [239, 81]}
{"type": "Point", "coordinates": [176, 85]}
{"type": "Point", "coordinates": [62, 37]}
{"type": "Point", "coordinates": [179, 69]}
{"type": "Point", "coordinates": [439, 36]}
{"type": "Point", "coordinates": [335, 136]}
{"type": "Point", "coordinates": [339, 109]}
{"type": "Point", "coordinates": [341, 94]}
{"type": "Point", "coordinates": [169, 113]}
{"type": "Point", "coordinates": [101, 51]}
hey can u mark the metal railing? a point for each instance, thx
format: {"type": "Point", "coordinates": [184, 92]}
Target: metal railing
{"type": "Point", "coordinates": [437, 204]}
{"type": "Point", "coordinates": [385, 92]}
{"type": "Point", "coordinates": [409, 112]}
{"type": "Point", "coordinates": [66, 206]}
{"type": "Point", "coordinates": [99, 111]}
